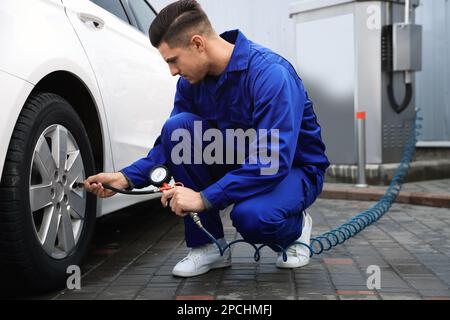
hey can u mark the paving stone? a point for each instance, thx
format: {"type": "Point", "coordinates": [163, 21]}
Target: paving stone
{"type": "Point", "coordinates": [243, 271]}
{"type": "Point", "coordinates": [352, 288]}
{"type": "Point", "coordinates": [435, 293]}
{"type": "Point", "coordinates": [412, 270]}
{"type": "Point", "coordinates": [135, 270]}
{"type": "Point", "coordinates": [193, 297]}
{"type": "Point", "coordinates": [265, 296]}
{"type": "Point", "coordinates": [401, 262]}
{"type": "Point", "coordinates": [85, 293]}
{"type": "Point", "coordinates": [237, 277]}
{"type": "Point", "coordinates": [212, 276]}
{"type": "Point", "coordinates": [348, 280]}
{"type": "Point", "coordinates": [337, 261]}
{"type": "Point", "coordinates": [343, 269]}
{"type": "Point", "coordinates": [426, 283]}
{"type": "Point", "coordinates": [411, 245]}
{"type": "Point", "coordinates": [358, 297]}
{"type": "Point", "coordinates": [131, 280]}
{"type": "Point", "coordinates": [197, 289]}
{"type": "Point", "coordinates": [232, 290]}
{"type": "Point", "coordinates": [151, 285]}
{"type": "Point", "coordinates": [276, 291]}
{"type": "Point", "coordinates": [317, 296]}
{"type": "Point", "coordinates": [100, 277]}
{"type": "Point", "coordinates": [399, 296]}
{"type": "Point", "coordinates": [119, 293]}
{"type": "Point", "coordinates": [355, 292]}
{"type": "Point", "coordinates": [399, 290]}
{"type": "Point", "coordinates": [300, 291]}
{"type": "Point", "coordinates": [157, 293]}
{"type": "Point", "coordinates": [238, 283]}
{"type": "Point", "coordinates": [273, 277]}
{"type": "Point", "coordinates": [394, 283]}
{"type": "Point", "coordinates": [165, 279]}
{"type": "Point", "coordinates": [445, 277]}
{"type": "Point", "coordinates": [235, 296]}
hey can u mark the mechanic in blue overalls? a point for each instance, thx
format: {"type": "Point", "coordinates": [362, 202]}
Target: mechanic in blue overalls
{"type": "Point", "coordinates": [228, 81]}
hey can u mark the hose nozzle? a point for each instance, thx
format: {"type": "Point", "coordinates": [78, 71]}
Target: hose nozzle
{"type": "Point", "coordinates": [196, 219]}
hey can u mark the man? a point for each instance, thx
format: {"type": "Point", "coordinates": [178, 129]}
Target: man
{"type": "Point", "coordinates": [229, 82]}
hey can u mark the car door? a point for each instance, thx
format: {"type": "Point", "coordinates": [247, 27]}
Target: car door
{"type": "Point", "coordinates": [135, 83]}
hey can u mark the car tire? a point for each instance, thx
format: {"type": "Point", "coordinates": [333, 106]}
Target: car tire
{"type": "Point", "coordinates": [37, 245]}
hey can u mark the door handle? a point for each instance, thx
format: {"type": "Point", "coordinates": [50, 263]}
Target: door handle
{"type": "Point", "coordinates": [98, 22]}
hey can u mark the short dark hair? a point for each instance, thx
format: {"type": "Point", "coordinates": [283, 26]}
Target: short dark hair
{"type": "Point", "coordinates": [177, 22]}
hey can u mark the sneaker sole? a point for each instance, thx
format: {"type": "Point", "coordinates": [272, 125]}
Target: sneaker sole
{"type": "Point", "coordinates": [285, 265]}
{"type": "Point", "coordinates": [217, 265]}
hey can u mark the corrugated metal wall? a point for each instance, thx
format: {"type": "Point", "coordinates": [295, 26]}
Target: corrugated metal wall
{"type": "Point", "coordinates": [433, 83]}
{"type": "Point", "coordinates": [267, 22]}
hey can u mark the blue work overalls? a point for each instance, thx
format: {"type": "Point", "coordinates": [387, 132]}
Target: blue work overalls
{"type": "Point", "coordinates": [259, 89]}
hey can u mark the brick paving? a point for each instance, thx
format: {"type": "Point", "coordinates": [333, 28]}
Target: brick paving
{"type": "Point", "coordinates": [134, 251]}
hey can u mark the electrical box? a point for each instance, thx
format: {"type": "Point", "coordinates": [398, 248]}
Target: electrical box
{"type": "Point", "coordinates": [407, 47]}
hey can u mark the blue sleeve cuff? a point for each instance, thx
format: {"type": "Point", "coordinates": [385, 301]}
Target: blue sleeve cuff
{"type": "Point", "coordinates": [208, 205]}
{"type": "Point", "coordinates": [216, 196]}
{"type": "Point", "coordinates": [130, 183]}
{"type": "Point", "coordinates": [134, 177]}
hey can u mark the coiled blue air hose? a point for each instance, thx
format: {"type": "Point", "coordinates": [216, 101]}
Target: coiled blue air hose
{"type": "Point", "coordinates": [352, 227]}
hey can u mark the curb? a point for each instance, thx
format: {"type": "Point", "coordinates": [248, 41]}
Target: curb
{"type": "Point", "coordinates": [421, 170]}
{"type": "Point", "coordinates": [374, 194]}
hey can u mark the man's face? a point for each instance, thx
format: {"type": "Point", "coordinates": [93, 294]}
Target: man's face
{"type": "Point", "coordinates": [190, 62]}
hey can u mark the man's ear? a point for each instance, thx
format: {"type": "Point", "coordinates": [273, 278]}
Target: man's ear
{"type": "Point", "coordinates": [198, 42]}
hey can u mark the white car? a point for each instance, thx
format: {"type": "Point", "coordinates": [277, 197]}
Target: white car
{"type": "Point", "coordinates": [82, 91]}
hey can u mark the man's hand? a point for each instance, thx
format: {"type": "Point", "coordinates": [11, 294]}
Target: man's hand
{"type": "Point", "coordinates": [95, 183]}
{"type": "Point", "coordinates": [183, 200]}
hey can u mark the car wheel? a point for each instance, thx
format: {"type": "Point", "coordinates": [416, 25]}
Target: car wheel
{"type": "Point", "coordinates": [45, 223]}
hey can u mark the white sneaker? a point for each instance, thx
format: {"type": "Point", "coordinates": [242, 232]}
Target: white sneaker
{"type": "Point", "coordinates": [298, 255]}
{"type": "Point", "coordinates": [202, 259]}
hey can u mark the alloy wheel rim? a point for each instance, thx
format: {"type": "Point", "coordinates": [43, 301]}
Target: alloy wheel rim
{"type": "Point", "coordinates": [57, 209]}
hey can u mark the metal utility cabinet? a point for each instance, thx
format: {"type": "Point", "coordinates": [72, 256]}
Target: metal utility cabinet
{"type": "Point", "coordinates": [359, 56]}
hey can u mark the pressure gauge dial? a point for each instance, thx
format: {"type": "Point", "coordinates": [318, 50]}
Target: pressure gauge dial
{"type": "Point", "coordinates": [159, 175]}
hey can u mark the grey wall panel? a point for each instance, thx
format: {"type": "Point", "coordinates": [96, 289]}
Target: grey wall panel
{"type": "Point", "coordinates": [433, 83]}
{"type": "Point", "coordinates": [331, 85]}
